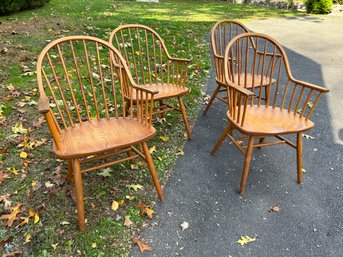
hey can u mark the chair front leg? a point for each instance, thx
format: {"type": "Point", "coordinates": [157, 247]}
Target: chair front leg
{"type": "Point", "coordinates": [213, 96]}
{"type": "Point", "coordinates": [152, 171]}
{"type": "Point", "coordinates": [227, 130]}
{"type": "Point", "coordinates": [184, 116]}
{"type": "Point", "coordinates": [70, 172]}
{"type": "Point", "coordinates": [299, 157]}
{"type": "Point", "coordinates": [246, 166]}
{"type": "Point", "coordinates": [79, 193]}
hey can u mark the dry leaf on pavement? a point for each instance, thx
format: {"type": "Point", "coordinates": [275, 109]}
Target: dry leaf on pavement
{"type": "Point", "coordinates": [274, 209]}
{"type": "Point", "coordinates": [245, 240]}
{"type": "Point", "coordinates": [184, 225]}
{"type": "Point", "coordinates": [142, 246]}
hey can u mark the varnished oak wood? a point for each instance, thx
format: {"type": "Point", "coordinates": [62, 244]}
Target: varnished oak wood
{"type": "Point", "coordinates": [81, 81]}
{"type": "Point", "coordinates": [262, 120]}
{"type": "Point", "coordinates": [79, 193]}
{"type": "Point", "coordinates": [164, 91]}
{"type": "Point", "coordinates": [151, 65]}
{"type": "Point", "coordinates": [283, 109]}
{"type": "Point", "coordinates": [299, 157]}
{"type": "Point", "coordinates": [96, 136]}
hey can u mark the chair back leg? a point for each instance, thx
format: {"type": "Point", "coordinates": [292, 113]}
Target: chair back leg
{"type": "Point", "coordinates": [70, 172]}
{"type": "Point", "coordinates": [227, 130]}
{"type": "Point", "coordinates": [184, 116]}
{"type": "Point", "coordinates": [160, 108]}
{"type": "Point", "coordinates": [213, 96]}
{"type": "Point", "coordinates": [246, 164]}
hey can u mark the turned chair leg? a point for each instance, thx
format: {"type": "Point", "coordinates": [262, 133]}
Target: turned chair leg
{"type": "Point", "coordinates": [70, 172]}
{"type": "Point", "coordinates": [161, 108]}
{"type": "Point", "coordinates": [129, 154]}
{"type": "Point", "coordinates": [299, 157]}
{"type": "Point", "coordinates": [79, 193]}
{"type": "Point", "coordinates": [227, 130]}
{"type": "Point", "coordinates": [184, 116]}
{"type": "Point", "coordinates": [152, 171]}
{"type": "Point", "coordinates": [261, 142]}
{"type": "Point", "coordinates": [246, 165]}
{"type": "Point", "coordinates": [213, 96]}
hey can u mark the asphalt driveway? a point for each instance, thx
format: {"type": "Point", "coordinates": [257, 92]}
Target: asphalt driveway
{"type": "Point", "coordinates": [203, 188]}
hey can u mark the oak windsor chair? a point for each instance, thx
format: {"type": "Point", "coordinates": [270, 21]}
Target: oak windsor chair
{"type": "Point", "coordinates": [152, 66]}
{"type": "Point", "coordinates": [286, 110]}
{"type": "Point", "coordinates": [221, 34]}
{"type": "Point", "coordinates": [81, 98]}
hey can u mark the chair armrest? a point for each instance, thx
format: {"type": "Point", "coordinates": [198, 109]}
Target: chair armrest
{"type": "Point", "coordinates": [43, 104]}
{"type": "Point", "coordinates": [242, 90]}
{"type": "Point", "coordinates": [309, 85]}
{"type": "Point", "coordinates": [145, 89]}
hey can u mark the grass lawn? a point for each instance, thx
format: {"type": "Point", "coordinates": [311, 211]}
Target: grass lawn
{"type": "Point", "coordinates": [37, 181]}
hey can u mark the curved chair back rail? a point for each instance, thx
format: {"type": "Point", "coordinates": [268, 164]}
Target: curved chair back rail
{"type": "Point", "coordinates": [81, 82]}
{"type": "Point", "coordinates": [283, 106]}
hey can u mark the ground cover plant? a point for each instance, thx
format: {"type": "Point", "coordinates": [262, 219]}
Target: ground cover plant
{"type": "Point", "coordinates": [37, 208]}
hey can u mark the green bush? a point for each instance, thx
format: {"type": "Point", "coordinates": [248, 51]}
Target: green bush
{"type": "Point", "coordinates": [9, 6]}
{"type": "Point", "coordinates": [318, 6]}
{"type": "Point", "coordinates": [338, 2]}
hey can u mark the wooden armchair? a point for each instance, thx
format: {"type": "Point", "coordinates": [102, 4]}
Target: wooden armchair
{"type": "Point", "coordinates": [81, 98]}
{"type": "Point", "coordinates": [221, 34]}
{"type": "Point", "coordinates": [152, 66]}
{"type": "Point", "coordinates": [286, 110]}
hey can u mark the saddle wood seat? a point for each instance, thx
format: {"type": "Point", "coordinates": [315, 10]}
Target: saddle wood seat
{"type": "Point", "coordinates": [262, 120]}
{"type": "Point", "coordinates": [96, 136]}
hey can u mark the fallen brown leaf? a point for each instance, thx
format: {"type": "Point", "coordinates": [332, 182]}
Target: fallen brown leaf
{"type": "Point", "coordinates": [127, 222]}
{"type": "Point", "coordinates": [3, 176]}
{"type": "Point", "coordinates": [145, 210]}
{"type": "Point", "coordinates": [38, 123]}
{"type": "Point", "coordinates": [274, 209]}
{"type": "Point", "coordinates": [40, 142]}
{"type": "Point", "coordinates": [25, 221]}
{"type": "Point", "coordinates": [142, 246]}
{"type": "Point", "coordinates": [11, 217]}
{"type": "Point", "coordinates": [59, 179]}
{"type": "Point", "coordinates": [2, 243]}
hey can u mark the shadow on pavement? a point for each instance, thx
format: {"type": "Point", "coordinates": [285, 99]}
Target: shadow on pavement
{"type": "Point", "coordinates": [203, 191]}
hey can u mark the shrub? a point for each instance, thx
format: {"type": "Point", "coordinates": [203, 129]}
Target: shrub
{"type": "Point", "coordinates": [318, 6]}
{"type": "Point", "coordinates": [9, 6]}
{"type": "Point", "coordinates": [338, 2]}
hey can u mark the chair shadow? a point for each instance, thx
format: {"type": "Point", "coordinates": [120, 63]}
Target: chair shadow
{"type": "Point", "coordinates": [203, 190]}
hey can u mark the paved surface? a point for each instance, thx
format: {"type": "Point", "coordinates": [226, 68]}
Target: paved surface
{"type": "Point", "coordinates": [203, 189]}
